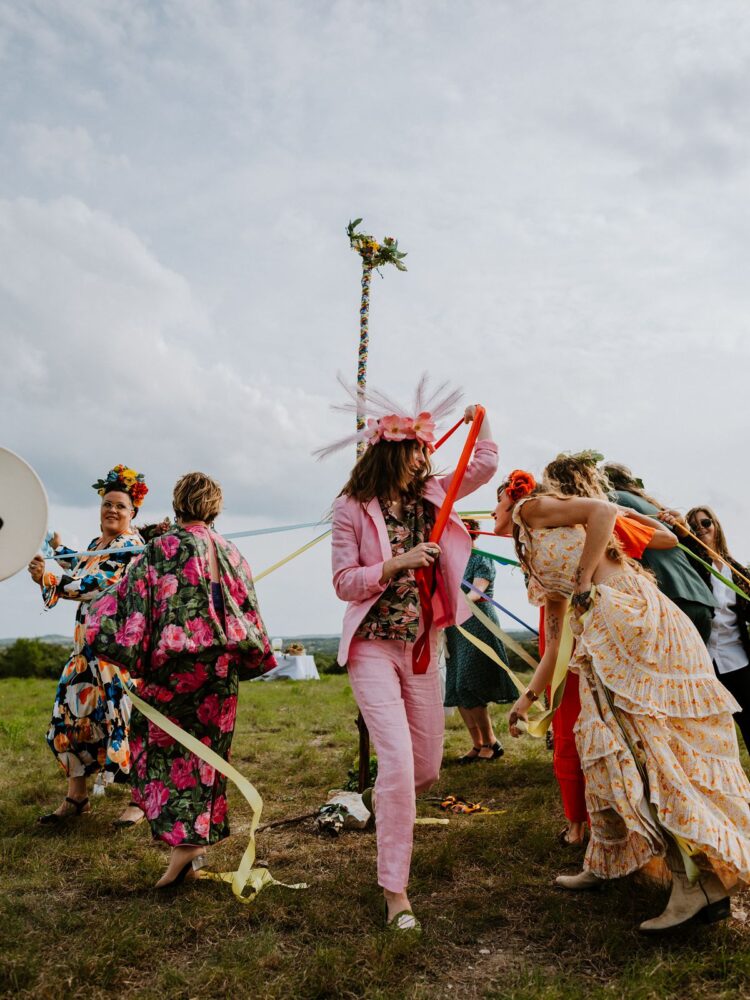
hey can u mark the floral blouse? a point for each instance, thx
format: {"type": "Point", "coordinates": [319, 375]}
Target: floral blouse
{"type": "Point", "coordinates": [395, 615]}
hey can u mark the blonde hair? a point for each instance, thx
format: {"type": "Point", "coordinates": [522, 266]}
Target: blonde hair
{"type": "Point", "coordinates": [576, 476]}
{"type": "Point", "coordinates": [197, 497]}
{"type": "Point", "coordinates": [567, 477]}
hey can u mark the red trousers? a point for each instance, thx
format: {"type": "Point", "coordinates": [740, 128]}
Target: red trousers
{"type": "Point", "coordinates": [565, 760]}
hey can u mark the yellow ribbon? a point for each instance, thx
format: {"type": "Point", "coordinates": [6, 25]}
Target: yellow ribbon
{"type": "Point", "coordinates": [257, 878]}
{"type": "Point", "coordinates": [538, 726]}
{"type": "Point", "coordinates": [286, 559]}
{"type": "Point", "coordinates": [488, 651]}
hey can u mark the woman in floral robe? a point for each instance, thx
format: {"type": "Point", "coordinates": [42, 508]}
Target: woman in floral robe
{"type": "Point", "coordinates": [185, 621]}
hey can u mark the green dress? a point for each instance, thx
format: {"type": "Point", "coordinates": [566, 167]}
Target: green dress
{"type": "Point", "coordinates": [473, 679]}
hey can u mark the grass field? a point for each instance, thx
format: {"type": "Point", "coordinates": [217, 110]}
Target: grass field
{"type": "Point", "coordinates": [79, 917]}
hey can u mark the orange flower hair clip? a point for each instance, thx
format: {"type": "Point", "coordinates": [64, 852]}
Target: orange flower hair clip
{"type": "Point", "coordinates": [519, 484]}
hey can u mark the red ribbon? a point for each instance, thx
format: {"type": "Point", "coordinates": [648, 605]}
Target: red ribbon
{"type": "Point", "coordinates": [425, 575]}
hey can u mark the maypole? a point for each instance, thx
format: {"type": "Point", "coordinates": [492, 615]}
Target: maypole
{"type": "Point", "coordinates": [374, 255]}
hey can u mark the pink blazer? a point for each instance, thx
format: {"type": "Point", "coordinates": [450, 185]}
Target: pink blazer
{"type": "Point", "coordinates": [360, 546]}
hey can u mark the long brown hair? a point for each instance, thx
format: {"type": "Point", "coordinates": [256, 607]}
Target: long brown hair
{"type": "Point", "coordinates": [576, 476]}
{"type": "Point", "coordinates": [720, 541]}
{"type": "Point", "coordinates": [621, 478]}
{"type": "Point", "coordinates": [384, 470]}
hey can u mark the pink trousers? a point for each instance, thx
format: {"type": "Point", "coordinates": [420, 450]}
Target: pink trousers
{"type": "Point", "coordinates": [405, 717]}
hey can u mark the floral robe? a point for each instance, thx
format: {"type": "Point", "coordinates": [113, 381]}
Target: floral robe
{"type": "Point", "coordinates": [88, 732]}
{"type": "Point", "coordinates": [160, 624]}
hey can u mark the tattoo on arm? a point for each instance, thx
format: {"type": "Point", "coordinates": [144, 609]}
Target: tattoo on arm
{"type": "Point", "coordinates": [552, 627]}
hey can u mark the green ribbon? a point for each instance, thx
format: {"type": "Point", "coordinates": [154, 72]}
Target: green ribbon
{"type": "Point", "coordinates": [713, 570]}
{"type": "Point", "coordinates": [501, 559]}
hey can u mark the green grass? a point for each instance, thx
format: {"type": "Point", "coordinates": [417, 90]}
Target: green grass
{"type": "Point", "coordinates": [78, 916]}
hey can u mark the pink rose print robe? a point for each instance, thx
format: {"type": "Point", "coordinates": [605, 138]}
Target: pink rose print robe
{"type": "Point", "coordinates": [190, 649]}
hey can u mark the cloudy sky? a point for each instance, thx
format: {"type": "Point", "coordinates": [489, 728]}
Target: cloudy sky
{"type": "Point", "coordinates": [570, 181]}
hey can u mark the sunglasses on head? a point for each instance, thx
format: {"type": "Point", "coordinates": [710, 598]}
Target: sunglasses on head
{"type": "Point", "coordinates": [703, 522]}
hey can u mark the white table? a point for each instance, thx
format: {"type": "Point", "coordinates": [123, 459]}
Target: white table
{"type": "Point", "coordinates": [295, 668]}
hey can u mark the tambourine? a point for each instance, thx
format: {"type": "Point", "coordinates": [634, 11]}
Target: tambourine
{"type": "Point", "coordinates": [23, 513]}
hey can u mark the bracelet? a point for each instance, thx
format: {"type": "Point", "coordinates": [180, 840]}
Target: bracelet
{"type": "Point", "coordinates": [581, 599]}
{"type": "Point", "coordinates": [531, 695]}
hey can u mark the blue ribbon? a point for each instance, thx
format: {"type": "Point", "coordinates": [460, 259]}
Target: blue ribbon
{"type": "Point", "coordinates": [500, 607]}
{"type": "Point", "coordinates": [132, 549]}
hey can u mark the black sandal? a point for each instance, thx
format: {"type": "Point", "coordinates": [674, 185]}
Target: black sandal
{"type": "Point", "coordinates": [122, 824]}
{"type": "Point", "coordinates": [79, 804]}
{"type": "Point", "coordinates": [470, 757]}
{"type": "Point", "coordinates": [496, 748]}
{"type": "Point", "coordinates": [565, 840]}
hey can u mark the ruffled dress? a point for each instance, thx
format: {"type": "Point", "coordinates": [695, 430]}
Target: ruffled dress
{"type": "Point", "coordinates": [655, 735]}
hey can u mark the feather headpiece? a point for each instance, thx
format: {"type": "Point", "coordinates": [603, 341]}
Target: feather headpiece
{"type": "Point", "coordinates": [388, 420]}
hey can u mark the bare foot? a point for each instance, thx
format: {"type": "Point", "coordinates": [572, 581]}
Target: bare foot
{"type": "Point", "coordinates": [574, 835]}
{"type": "Point", "coordinates": [397, 903]}
{"type": "Point", "coordinates": [178, 859]}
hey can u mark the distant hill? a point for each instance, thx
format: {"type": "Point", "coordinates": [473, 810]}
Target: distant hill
{"type": "Point", "coordinates": [57, 640]}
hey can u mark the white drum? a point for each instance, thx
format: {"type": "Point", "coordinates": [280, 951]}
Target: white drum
{"type": "Point", "coordinates": [23, 513]}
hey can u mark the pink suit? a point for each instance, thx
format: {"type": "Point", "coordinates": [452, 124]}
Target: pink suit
{"type": "Point", "coordinates": [403, 710]}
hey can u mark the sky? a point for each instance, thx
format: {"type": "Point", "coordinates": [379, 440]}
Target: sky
{"type": "Point", "coordinates": [571, 183]}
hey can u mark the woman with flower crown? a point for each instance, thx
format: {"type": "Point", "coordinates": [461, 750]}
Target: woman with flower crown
{"type": "Point", "coordinates": [382, 521]}
{"type": "Point", "coordinates": [88, 732]}
{"type": "Point", "coordinates": [655, 732]}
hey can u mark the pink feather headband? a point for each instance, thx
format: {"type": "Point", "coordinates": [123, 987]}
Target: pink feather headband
{"type": "Point", "coordinates": [389, 421]}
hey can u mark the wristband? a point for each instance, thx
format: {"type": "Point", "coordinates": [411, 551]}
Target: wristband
{"type": "Point", "coordinates": [581, 599]}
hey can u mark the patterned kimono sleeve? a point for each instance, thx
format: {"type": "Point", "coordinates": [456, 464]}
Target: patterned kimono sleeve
{"type": "Point", "coordinates": [78, 583]}
{"type": "Point", "coordinates": [118, 626]}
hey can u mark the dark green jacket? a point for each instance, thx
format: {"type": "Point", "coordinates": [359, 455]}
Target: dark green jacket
{"type": "Point", "coordinates": [672, 568]}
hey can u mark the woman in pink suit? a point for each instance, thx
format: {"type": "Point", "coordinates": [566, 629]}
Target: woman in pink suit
{"type": "Point", "coordinates": [381, 527]}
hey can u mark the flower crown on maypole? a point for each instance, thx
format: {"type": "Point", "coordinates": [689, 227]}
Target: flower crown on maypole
{"type": "Point", "coordinates": [388, 420]}
{"type": "Point", "coordinates": [375, 254]}
{"type": "Point", "coordinates": [123, 480]}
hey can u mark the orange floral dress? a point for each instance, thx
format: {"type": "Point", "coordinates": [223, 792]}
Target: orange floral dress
{"type": "Point", "coordinates": [648, 691]}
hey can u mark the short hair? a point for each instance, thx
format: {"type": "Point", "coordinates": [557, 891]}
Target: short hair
{"type": "Point", "coordinates": [197, 497]}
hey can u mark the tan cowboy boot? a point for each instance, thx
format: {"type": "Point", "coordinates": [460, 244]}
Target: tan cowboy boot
{"type": "Point", "coordinates": [577, 883]}
{"type": "Point", "coordinates": [706, 899]}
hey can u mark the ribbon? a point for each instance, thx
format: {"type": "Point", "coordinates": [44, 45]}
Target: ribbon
{"type": "Point", "coordinates": [286, 559]}
{"type": "Point", "coordinates": [495, 629]}
{"type": "Point", "coordinates": [426, 575]}
{"type": "Point", "coordinates": [447, 434]}
{"type": "Point", "coordinates": [538, 726]}
{"type": "Point", "coordinates": [490, 600]}
{"type": "Point", "coordinates": [503, 560]}
{"type": "Point", "coordinates": [230, 535]}
{"type": "Point", "coordinates": [712, 569]}
{"type": "Point", "coordinates": [256, 878]}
